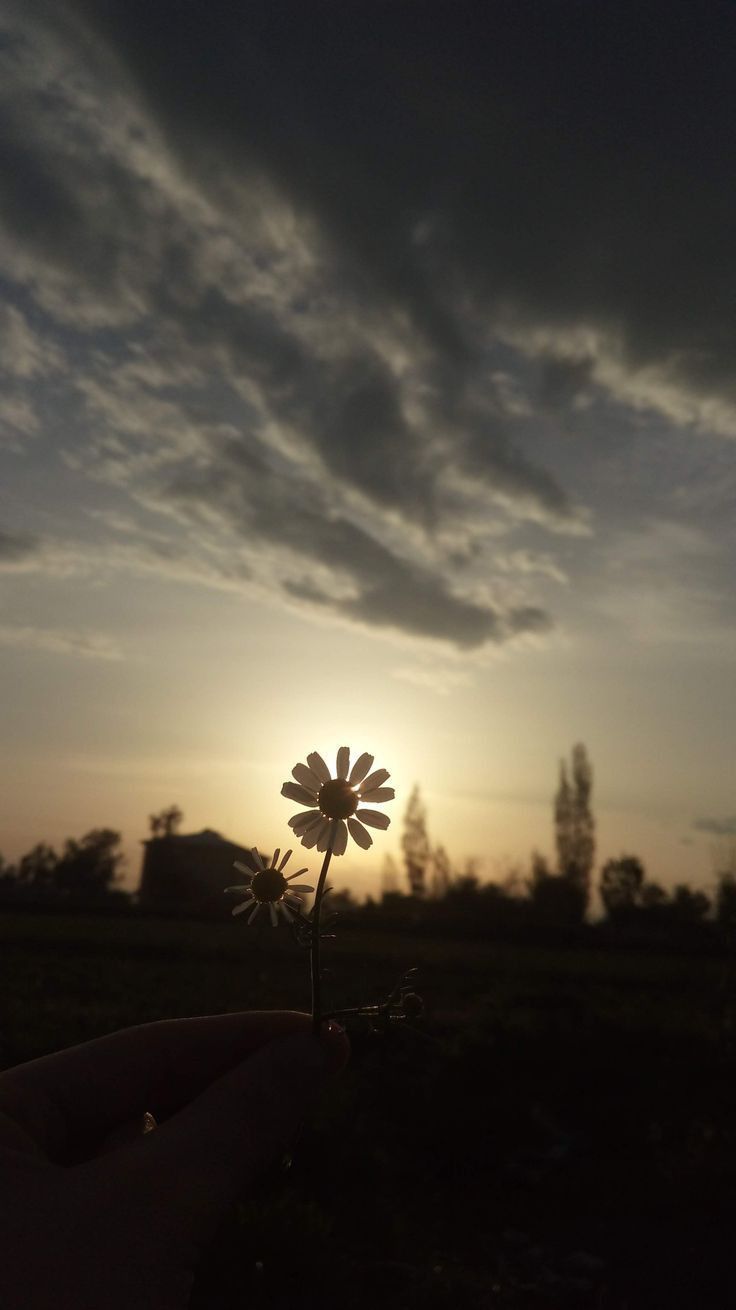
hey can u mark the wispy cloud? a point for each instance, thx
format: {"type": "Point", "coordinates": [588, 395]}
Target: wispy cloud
{"type": "Point", "coordinates": [86, 645]}
{"type": "Point", "coordinates": [724, 826]}
{"type": "Point", "coordinates": [18, 551]}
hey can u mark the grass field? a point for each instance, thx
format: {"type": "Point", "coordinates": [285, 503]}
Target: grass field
{"type": "Point", "coordinates": [560, 1128]}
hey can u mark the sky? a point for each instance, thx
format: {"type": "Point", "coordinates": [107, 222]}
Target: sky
{"type": "Point", "coordinates": [368, 378]}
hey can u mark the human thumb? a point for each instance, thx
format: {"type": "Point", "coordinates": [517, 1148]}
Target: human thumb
{"type": "Point", "coordinates": [191, 1168]}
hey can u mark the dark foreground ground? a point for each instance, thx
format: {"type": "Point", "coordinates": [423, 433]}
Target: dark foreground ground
{"type": "Point", "coordinates": [559, 1130]}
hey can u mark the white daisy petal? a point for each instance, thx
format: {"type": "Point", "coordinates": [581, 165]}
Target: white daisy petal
{"type": "Point", "coordinates": [376, 779]}
{"type": "Point", "coordinates": [360, 768]}
{"type": "Point", "coordinates": [294, 901]}
{"type": "Point", "coordinates": [301, 887]}
{"type": "Point", "coordinates": [306, 777]}
{"type": "Point", "coordinates": [377, 795]}
{"type": "Point", "coordinates": [252, 916]}
{"type": "Point", "coordinates": [295, 792]}
{"type": "Point", "coordinates": [298, 874]}
{"type": "Point", "coordinates": [318, 766]}
{"type": "Point", "coordinates": [340, 839]}
{"type": "Point", "coordinates": [274, 915]}
{"type": "Point", "coordinates": [305, 835]}
{"type": "Point", "coordinates": [240, 889]}
{"type": "Point", "coordinates": [323, 840]}
{"type": "Point", "coordinates": [374, 818]}
{"type": "Point", "coordinates": [274, 858]}
{"type": "Point", "coordinates": [286, 912]}
{"type": "Point", "coordinates": [302, 823]}
{"type": "Point", "coordinates": [343, 762]}
{"type": "Point", "coordinates": [313, 833]}
{"type": "Point", "coordinates": [304, 818]}
{"type": "Point", "coordinates": [243, 868]}
{"type": "Point", "coordinates": [257, 857]}
{"type": "Point", "coordinates": [245, 906]}
{"type": "Point", "coordinates": [360, 834]}
{"type": "Point", "coordinates": [284, 861]}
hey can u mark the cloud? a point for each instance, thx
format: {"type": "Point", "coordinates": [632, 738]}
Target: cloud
{"type": "Point", "coordinates": [718, 827]}
{"type": "Point", "coordinates": [23, 352]}
{"type": "Point", "coordinates": [442, 681]}
{"type": "Point", "coordinates": [18, 418]}
{"type": "Point", "coordinates": [87, 645]}
{"type": "Point", "coordinates": [316, 342]}
{"type": "Point", "coordinates": [17, 551]}
{"type": "Point", "coordinates": [495, 167]}
{"type": "Point", "coordinates": [327, 562]}
{"type": "Point", "coordinates": [327, 304]}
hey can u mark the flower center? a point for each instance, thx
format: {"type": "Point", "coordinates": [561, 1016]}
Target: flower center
{"type": "Point", "coordinates": [337, 800]}
{"type": "Point", "coordinates": [268, 885]}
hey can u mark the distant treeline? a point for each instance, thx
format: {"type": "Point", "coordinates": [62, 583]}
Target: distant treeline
{"type": "Point", "coordinates": [541, 903]}
{"type": "Point", "coordinates": [541, 906]}
{"type": "Point", "coordinates": [86, 871]}
{"type": "Point", "coordinates": [547, 908]}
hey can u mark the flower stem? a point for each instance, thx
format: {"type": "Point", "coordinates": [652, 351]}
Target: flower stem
{"type": "Point", "coordinates": [315, 963]}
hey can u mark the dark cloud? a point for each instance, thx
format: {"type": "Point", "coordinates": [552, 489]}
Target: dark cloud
{"type": "Point", "coordinates": [563, 382]}
{"type": "Point", "coordinates": [333, 563]}
{"type": "Point", "coordinates": [17, 549]}
{"type": "Point", "coordinates": [723, 827]}
{"type": "Point", "coordinates": [139, 250]}
{"type": "Point", "coordinates": [351, 224]}
{"type": "Point", "coordinates": [564, 162]}
{"type": "Point", "coordinates": [348, 409]}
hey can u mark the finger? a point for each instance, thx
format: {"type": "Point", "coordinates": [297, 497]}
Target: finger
{"type": "Point", "coordinates": [69, 1101]}
{"type": "Point", "coordinates": [186, 1173]}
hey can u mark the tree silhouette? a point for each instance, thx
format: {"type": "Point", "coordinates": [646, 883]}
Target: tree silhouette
{"type": "Point", "coordinates": [688, 907]}
{"type": "Point", "coordinates": [726, 901]}
{"type": "Point", "coordinates": [621, 885]}
{"type": "Point", "coordinates": [415, 844]}
{"type": "Point", "coordinates": [574, 822]}
{"type": "Point", "coordinates": [653, 897]}
{"type": "Point", "coordinates": [8, 872]}
{"type": "Point", "coordinates": [556, 900]}
{"type": "Point", "coordinates": [36, 869]}
{"type": "Point", "coordinates": [441, 880]}
{"type": "Point", "coordinates": [88, 867]}
{"type": "Point", "coordinates": [166, 822]}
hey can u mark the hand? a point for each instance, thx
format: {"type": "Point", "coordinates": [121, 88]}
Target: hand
{"type": "Point", "coordinates": [96, 1216]}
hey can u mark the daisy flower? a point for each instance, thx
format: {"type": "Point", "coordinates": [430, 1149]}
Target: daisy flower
{"type": "Point", "coordinates": [336, 801]}
{"type": "Point", "coordinates": [269, 886]}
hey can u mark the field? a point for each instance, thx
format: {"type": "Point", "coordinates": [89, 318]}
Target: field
{"type": "Point", "coordinates": [558, 1130]}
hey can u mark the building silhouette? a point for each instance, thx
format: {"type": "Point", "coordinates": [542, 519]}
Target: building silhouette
{"type": "Point", "coordinates": [189, 871]}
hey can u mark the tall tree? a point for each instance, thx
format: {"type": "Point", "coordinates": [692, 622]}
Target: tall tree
{"type": "Point", "coordinates": [441, 873]}
{"type": "Point", "coordinates": [415, 844]}
{"type": "Point", "coordinates": [574, 822]}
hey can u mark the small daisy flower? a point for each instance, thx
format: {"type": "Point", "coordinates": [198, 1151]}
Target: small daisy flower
{"type": "Point", "coordinates": [269, 886]}
{"type": "Point", "coordinates": [337, 799]}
